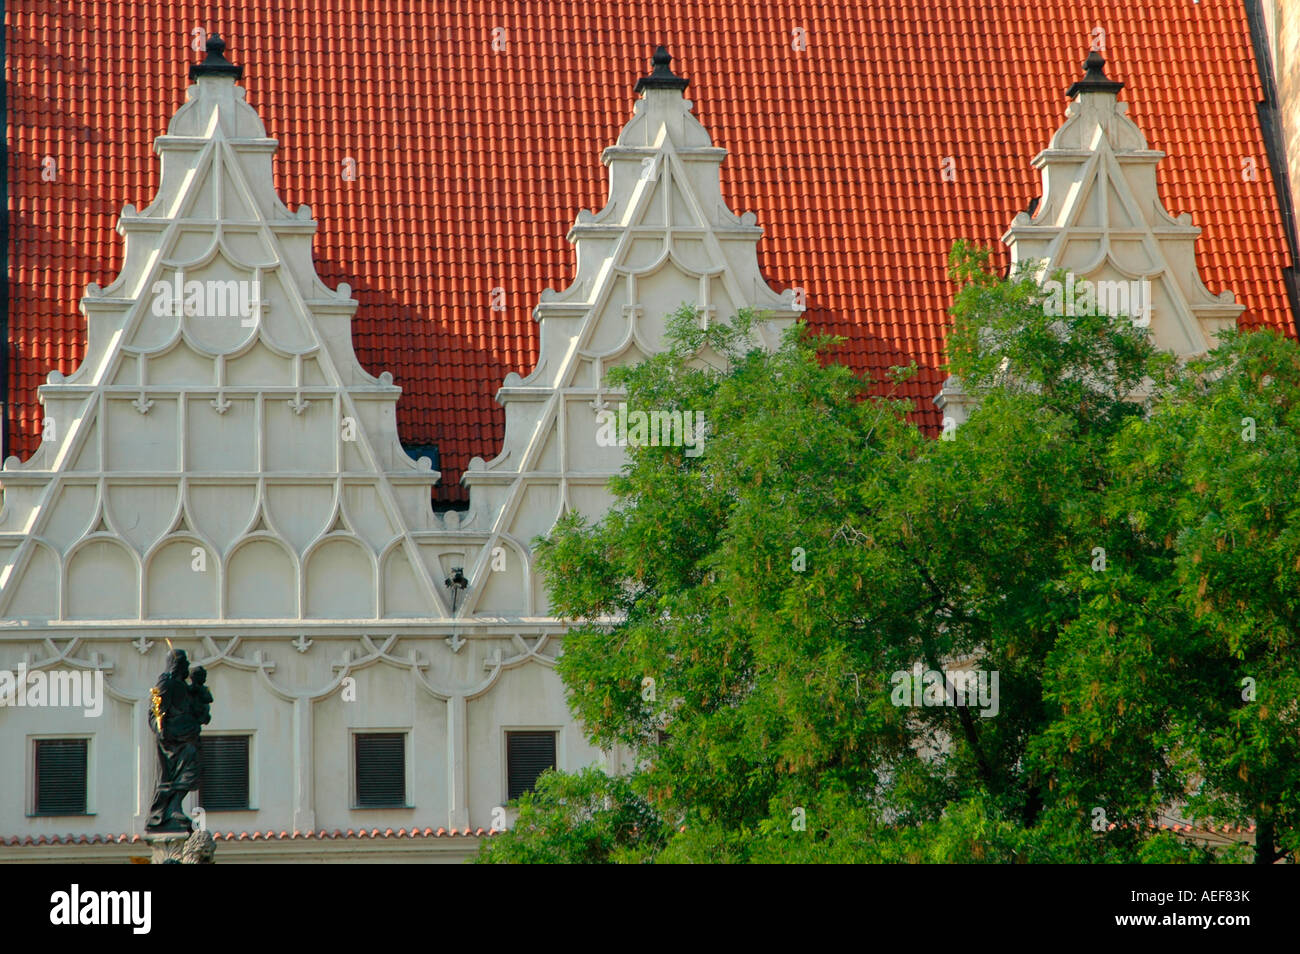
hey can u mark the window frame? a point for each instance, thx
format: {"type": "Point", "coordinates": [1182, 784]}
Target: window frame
{"type": "Point", "coordinates": [506, 731]}
{"type": "Point", "coordinates": [32, 740]}
{"type": "Point", "coordinates": [405, 733]}
{"type": "Point", "coordinates": [252, 772]}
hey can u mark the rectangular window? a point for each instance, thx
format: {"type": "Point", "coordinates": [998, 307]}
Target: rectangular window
{"type": "Point", "coordinates": [224, 784]}
{"type": "Point", "coordinates": [528, 755]}
{"type": "Point", "coordinates": [60, 777]}
{"type": "Point", "coordinates": [381, 769]}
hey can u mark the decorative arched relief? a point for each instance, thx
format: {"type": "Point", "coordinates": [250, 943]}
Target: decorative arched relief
{"type": "Point", "coordinates": [103, 580]}
{"type": "Point", "coordinates": [221, 512]}
{"type": "Point", "coordinates": [301, 513]}
{"type": "Point", "coordinates": [401, 594]}
{"type": "Point", "coordinates": [262, 580]}
{"type": "Point", "coordinates": [142, 513]}
{"type": "Point", "coordinates": [40, 599]}
{"type": "Point", "coordinates": [341, 576]}
{"type": "Point", "coordinates": [183, 580]}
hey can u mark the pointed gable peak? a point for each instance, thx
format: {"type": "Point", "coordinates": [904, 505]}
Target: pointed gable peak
{"type": "Point", "coordinates": [662, 117]}
{"type": "Point", "coordinates": [1101, 220]}
{"type": "Point", "coordinates": [215, 104]}
{"type": "Point", "coordinates": [1095, 107]}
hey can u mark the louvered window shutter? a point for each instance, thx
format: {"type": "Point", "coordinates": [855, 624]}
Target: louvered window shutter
{"type": "Point", "coordinates": [528, 755]}
{"type": "Point", "coordinates": [224, 785]}
{"type": "Point", "coordinates": [381, 770]}
{"type": "Point", "coordinates": [61, 777]}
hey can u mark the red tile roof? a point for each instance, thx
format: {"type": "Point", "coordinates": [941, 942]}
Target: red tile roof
{"type": "Point", "coordinates": [36, 841]}
{"type": "Point", "coordinates": [31, 841]}
{"type": "Point", "coordinates": [472, 162]}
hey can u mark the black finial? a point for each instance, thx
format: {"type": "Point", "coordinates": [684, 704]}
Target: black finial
{"type": "Point", "coordinates": [216, 64]}
{"type": "Point", "coordinates": [661, 77]}
{"type": "Point", "coordinates": [1094, 79]}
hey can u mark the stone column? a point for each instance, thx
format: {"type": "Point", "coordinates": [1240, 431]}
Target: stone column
{"type": "Point", "coordinates": [457, 766]}
{"type": "Point", "coordinates": [304, 778]}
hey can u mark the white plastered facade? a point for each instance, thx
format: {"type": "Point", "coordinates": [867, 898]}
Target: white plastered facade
{"type": "Point", "coordinates": [235, 485]}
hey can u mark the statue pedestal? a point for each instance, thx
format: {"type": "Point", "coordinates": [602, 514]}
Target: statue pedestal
{"type": "Point", "coordinates": [180, 848]}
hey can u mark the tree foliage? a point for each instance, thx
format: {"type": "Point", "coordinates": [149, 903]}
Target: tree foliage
{"type": "Point", "coordinates": [1101, 534]}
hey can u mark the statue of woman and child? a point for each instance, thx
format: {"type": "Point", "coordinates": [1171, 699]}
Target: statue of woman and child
{"type": "Point", "coordinates": [180, 705]}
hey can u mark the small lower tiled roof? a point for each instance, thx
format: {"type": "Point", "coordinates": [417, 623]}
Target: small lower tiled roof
{"type": "Point", "coordinates": [866, 135]}
{"type": "Point", "coordinates": [1189, 828]}
{"type": "Point", "coordinates": [35, 841]}
{"type": "Point", "coordinates": [23, 841]}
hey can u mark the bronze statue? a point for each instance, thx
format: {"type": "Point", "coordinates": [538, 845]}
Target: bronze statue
{"type": "Point", "coordinates": [200, 696]}
{"type": "Point", "coordinates": [177, 713]}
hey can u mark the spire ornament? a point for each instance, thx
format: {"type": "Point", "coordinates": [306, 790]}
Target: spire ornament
{"type": "Point", "coordinates": [1094, 78]}
{"type": "Point", "coordinates": [662, 77]}
{"type": "Point", "coordinates": [215, 63]}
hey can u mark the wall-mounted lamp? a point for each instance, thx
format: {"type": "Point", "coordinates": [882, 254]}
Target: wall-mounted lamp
{"type": "Point", "coordinates": [456, 582]}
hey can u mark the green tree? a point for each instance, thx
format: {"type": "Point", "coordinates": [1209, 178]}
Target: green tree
{"type": "Point", "coordinates": [578, 818]}
{"type": "Point", "coordinates": [744, 614]}
{"type": "Point", "coordinates": [1207, 609]}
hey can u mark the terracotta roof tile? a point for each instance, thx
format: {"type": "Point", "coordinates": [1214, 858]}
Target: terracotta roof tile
{"type": "Point", "coordinates": [473, 163]}
{"type": "Point", "coordinates": [28, 841]}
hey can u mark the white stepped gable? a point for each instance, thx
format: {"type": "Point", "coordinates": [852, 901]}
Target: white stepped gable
{"type": "Point", "coordinates": [230, 459]}
{"type": "Point", "coordinates": [665, 237]}
{"type": "Point", "coordinates": [1101, 218]}
{"type": "Point", "coordinates": [182, 430]}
